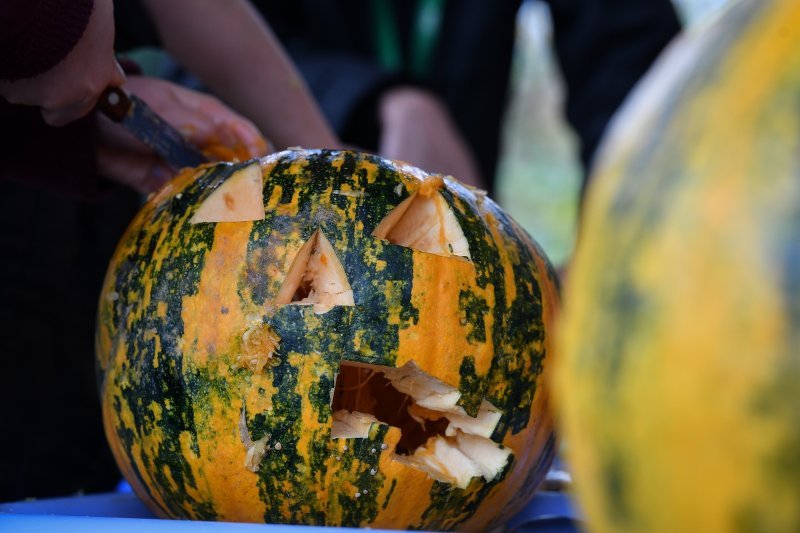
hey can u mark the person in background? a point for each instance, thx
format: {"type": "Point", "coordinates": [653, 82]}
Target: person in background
{"type": "Point", "coordinates": [50, 85]}
{"type": "Point", "coordinates": [427, 81]}
{"type": "Point", "coordinates": [70, 181]}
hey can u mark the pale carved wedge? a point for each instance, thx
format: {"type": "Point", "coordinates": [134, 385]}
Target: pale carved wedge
{"type": "Point", "coordinates": [316, 278]}
{"type": "Point", "coordinates": [238, 199]}
{"type": "Point", "coordinates": [426, 223]}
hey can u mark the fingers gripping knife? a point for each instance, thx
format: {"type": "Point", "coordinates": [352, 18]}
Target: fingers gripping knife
{"type": "Point", "coordinates": [150, 128]}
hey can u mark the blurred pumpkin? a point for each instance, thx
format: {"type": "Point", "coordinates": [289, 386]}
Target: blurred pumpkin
{"type": "Point", "coordinates": [681, 335]}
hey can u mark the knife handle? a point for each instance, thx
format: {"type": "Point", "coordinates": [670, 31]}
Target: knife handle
{"type": "Point", "coordinates": [114, 102]}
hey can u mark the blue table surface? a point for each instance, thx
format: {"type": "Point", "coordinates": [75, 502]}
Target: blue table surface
{"type": "Point", "coordinates": [548, 512]}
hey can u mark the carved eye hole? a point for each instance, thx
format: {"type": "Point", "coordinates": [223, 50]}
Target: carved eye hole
{"type": "Point", "coordinates": [425, 223]}
{"type": "Point", "coordinates": [316, 278]}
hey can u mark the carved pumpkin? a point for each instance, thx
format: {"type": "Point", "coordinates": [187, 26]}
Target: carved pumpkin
{"type": "Point", "coordinates": [327, 338]}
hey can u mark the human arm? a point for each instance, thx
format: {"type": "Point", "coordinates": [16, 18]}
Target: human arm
{"type": "Point", "coordinates": [57, 56]}
{"type": "Point", "coordinates": [417, 127]}
{"type": "Point", "coordinates": [245, 65]}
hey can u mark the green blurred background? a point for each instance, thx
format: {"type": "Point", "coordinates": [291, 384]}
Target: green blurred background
{"type": "Point", "coordinates": [538, 176]}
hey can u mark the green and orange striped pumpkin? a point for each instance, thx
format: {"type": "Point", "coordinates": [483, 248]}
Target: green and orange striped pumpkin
{"type": "Point", "coordinates": [327, 337]}
{"type": "Point", "coordinates": [680, 370]}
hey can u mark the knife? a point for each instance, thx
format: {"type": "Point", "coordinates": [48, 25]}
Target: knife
{"type": "Point", "coordinates": [147, 126]}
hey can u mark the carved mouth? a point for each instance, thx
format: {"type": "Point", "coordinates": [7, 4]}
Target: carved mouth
{"type": "Point", "coordinates": [437, 435]}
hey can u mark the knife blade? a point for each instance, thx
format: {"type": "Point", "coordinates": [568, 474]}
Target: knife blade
{"type": "Point", "coordinates": [150, 128]}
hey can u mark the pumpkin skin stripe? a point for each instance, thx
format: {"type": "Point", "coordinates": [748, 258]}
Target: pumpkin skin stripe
{"type": "Point", "coordinates": [168, 349]}
{"type": "Point", "coordinates": [679, 378]}
{"type": "Point", "coordinates": [216, 300]}
{"type": "Point", "coordinates": [159, 441]}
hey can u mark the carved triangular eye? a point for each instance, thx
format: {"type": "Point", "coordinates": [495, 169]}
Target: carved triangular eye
{"type": "Point", "coordinates": [316, 277]}
{"type": "Point", "coordinates": [425, 223]}
{"type": "Point", "coordinates": [239, 199]}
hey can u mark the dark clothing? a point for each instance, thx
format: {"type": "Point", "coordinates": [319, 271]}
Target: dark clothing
{"type": "Point", "coordinates": [37, 34]}
{"type": "Point", "coordinates": [603, 48]}
{"type": "Point", "coordinates": [55, 252]}
{"type": "Point", "coordinates": [59, 159]}
{"type": "Point", "coordinates": [332, 44]}
{"type": "Point", "coordinates": [56, 245]}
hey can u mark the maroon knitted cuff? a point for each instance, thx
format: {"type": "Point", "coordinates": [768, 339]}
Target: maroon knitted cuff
{"type": "Point", "coordinates": [38, 34]}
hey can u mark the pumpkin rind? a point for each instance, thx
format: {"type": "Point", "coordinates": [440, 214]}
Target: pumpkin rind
{"type": "Point", "coordinates": [178, 297]}
{"type": "Point", "coordinates": [679, 368]}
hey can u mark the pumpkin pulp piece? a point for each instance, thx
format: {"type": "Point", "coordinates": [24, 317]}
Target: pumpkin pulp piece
{"type": "Point", "coordinates": [255, 449]}
{"type": "Point", "coordinates": [259, 342]}
{"type": "Point", "coordinates": [458, 459]}
{"type": "Point", "coordinates": [238, 199]}
{"type": "Point", "coordinates": [316, 278]}
{"type": "Point", "coordinates": [437, 435]}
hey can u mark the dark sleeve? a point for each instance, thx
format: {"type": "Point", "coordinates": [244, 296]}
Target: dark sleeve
{"type": "Point", "coordinates": [348, 88]}
{"type": "Point", "coordinates": [133, 27]}
{"type": "Point", "coordinates": [331, 45]}
{"type": "Point", "coordinates": [58, 159]}
{"type": "Point", "coordinates": [604, 47]}
{"type": "Point", "coordinates": [37, 34]}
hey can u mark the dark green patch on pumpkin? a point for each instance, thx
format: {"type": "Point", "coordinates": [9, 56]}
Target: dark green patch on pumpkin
{"type": "Point", "coordinates": [475, 309]}
{"type": "Point", "coordinates": [320, 394]}
{"type": "Point", "coordinates": [469, 381]}
{"type": "Point", "coordinates": [363, 455]}
{"type": "Point", "coordinates": [510, 383]}
{"type": "Point", "coordinates": [613, 476]}
{"type": "Point", "coordinates": [451, 506]}
{"type": "Point", "coordinates": [389, 494]}
{"type": "Point", "coordinates": [154, 376]}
